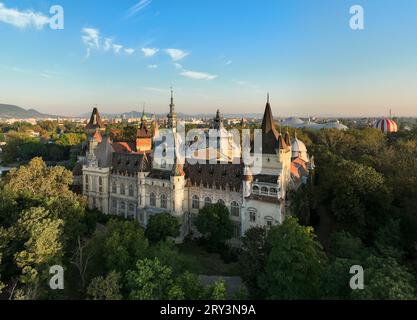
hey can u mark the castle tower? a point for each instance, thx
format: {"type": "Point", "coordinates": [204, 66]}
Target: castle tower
{"type": "Point", "coordinates": [172, 115]}
{"type": "Point", "coordinates": [178, 183]}
{"type": "Point", "coordinates": [95, 123]}
{"type": "Point", "coordinates": [143, 136]}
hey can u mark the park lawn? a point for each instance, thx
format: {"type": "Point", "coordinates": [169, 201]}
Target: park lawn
{"type": "Point", "coordinates": [210, 264]}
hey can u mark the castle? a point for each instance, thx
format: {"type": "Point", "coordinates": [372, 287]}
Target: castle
{"type": "Point", "coordinates": [126, 177]}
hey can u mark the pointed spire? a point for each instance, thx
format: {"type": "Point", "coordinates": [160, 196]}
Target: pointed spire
{"type": "Point", "coordinates": [287, 138]}
{"type": "Point", "coordinates": [282, 145]}
{"type": "Point", "coordinates": [172, 116]}
{"type": "Point", "coordinates": [172, 97]}
{"type": "Point", "coordinates": [268, 124]}
{"type": "Point", "coordinates": [269, 132]}
{"type": "Point", "coordinates": [95, 122]}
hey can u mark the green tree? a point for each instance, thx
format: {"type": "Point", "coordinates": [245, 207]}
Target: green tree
{"type": "Point", "coordinates": [335, 279]}
{"type": "Point", "coordinates": [42, 248]}
{"type": "Point", "coordinates": [152, 281]}
{"type": "Point", "coordinates": [214, 223]}
{"type": "Point", "coordinates": [161, 226]}
{"type": "Point", "coordinates": [105, 288]}
{"type": "Point", "coordinates": [294, 264]}
{"type": "Point", "coordinates": [253, 259]}
{"type": "Point", "coordinates": [344, 245]}
{"type": "Point", "coordinates": [190, 286]}
{"type": "Point", "coordinates": [118, 247]}
{"type": "Point", "coordinates": [217, 291]}
{"type": "Point", "coordinates": [385, 279]}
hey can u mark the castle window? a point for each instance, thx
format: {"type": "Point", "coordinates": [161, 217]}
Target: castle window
{"type": "Point", "coordinates": [122, 207]}
{"type": "Point", "coordinates": [255, 189]}
{"type": "Point", "coordinates": [269, 221]}
{"type": "Point", "coordinates": [221, 201]}
{"type": "Point", "coordinates": [236, 230]}
{"type": "Point", "coordinates": [163, 164]}
{"type": "Point", "coordinates": [273, 191]}
{"type": "Point", "coordinates": [196, 202]}
{"type": "Point", "coordinates": [252, 215]}
{"type": "Point", "coordinates": [264, 190]}
{"type": "Point", "coordinates": [164, 203]}
{"type": "Point", "coordinates": [207, 201]}
{"type": "Point", "coordinates": [131, 191]}
{"type": "Point", "coordinates": [131, 211]}
{"type": "Point", "coordinates": [235, 209]}
{"type": "Point", "coordinates": [122, 189]}
{"type": "Point", "coordinates": [152, 200]}
{"type": "Point", "coordinates": [114, 187]}
{"type": "Point", "coordinates": [100, 184]}
{"type": "Point", "coordinates": [86, 183]}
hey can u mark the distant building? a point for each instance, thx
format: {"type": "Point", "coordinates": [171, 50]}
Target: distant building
{"type": "Point", "coordinates": [298, 123]}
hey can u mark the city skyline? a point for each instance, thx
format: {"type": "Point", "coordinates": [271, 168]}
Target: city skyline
{"type": "Point", "coordinates": [216, 54]}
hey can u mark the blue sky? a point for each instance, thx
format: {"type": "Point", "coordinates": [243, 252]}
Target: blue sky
{"type": "Point", "coordinates": [217, 54]}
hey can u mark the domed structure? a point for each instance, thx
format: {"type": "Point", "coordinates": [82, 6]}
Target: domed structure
{"type": "Point", "coordinates": [292, 122]}
{"type": "Point", "coordinates": [299, 150]}
{"type": "Point", "coordinates": [386, 125]}
{"type": "Point", "coordinates": [335, 125]}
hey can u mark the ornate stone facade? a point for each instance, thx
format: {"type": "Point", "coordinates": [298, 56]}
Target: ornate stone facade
{"type": "Point", "coordinates": [123, 178]}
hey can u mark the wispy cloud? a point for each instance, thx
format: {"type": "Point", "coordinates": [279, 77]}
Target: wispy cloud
{"type": "Point", "coordinates": [197, 75]}
{"type": "Point", "coordinates": [176, 54]}
{"type": "Point", "coordinates": [117, 48]}
{"type": "Point", "coordinates": [247, 85]}
{"type": "Point", "coordinates": [108, 44]}
{"type": "Point", "coordinates": [48, 74]}
{"type": "Point", "coordinates": [134, 10]}
{"type": "Point", "coordinates": [228, 62]}
{"type": "Point", "coordinates": [92, 40]}
{"type": "Point", "coordinates": [153, 66]}
{"type": "Point", "coordinates": [154, 89]}
{"type": "Point", "coordinates": [149, 52]}
{"type": "Point", "coordinates": [22, 19]}
{"type": "Point", "coordinates": [178, 66]}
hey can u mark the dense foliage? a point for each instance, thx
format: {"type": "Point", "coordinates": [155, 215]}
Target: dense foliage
{"type": "Point", "coordinates": [358, 208]}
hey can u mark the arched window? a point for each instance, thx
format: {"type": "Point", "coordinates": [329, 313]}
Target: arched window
{"type": "Point", "coordinates": [131, 207]}
{"type": "Point", "coordinates": [122, 189]}
{"type": "Point", "coordinates": [164, 202]}
{"type": "Point", "coordinates": [235, 209]}
{"type": "Point", "coordinates": [100, 184]}
{"type": "Point", "coordinates": [207, 201]}
{"type": "Point", "coordinates": [269, 222]}
{"type": "Point", "coordinates": [122, 207]}
{"type": "Point", "coordinates": [87, 186]}
{"type": "Point", "coordinates": [196, 202]}
{"type": "Point", "coordinates": [114, 187]}
{"type": "Point", "coordinates": [264, 190]}
{"type": "Point", "coordinates": [273, 191]}
{"type": "Point", "coordinates": [163, 164]}
{"type": "Point", "coordinates": [152, 200]}
{"type": "Point", "coordinates": [131, 191]}
{"type": "Point", "coordinates": [220, 201]}
{"type": "Point", "coordinates": [255, 189]}
{"type": "Point", "coordinates": [252, 215]}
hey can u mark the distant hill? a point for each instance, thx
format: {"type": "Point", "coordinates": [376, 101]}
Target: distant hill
{"type": "Point", "coordinates": [8, 111]}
